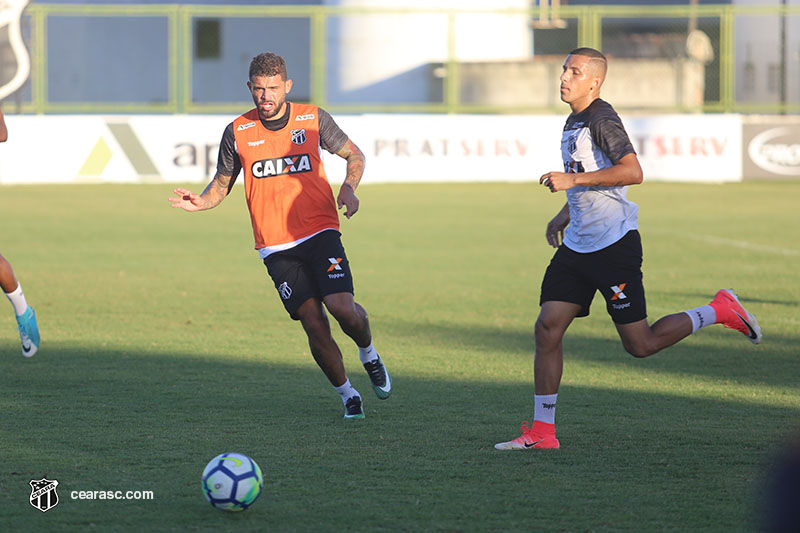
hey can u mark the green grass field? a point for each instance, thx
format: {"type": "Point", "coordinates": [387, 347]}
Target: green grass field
{"type": "Point", "coordinates": [164, 344]}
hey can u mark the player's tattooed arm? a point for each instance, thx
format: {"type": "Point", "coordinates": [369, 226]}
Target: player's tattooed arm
{"type": "Point", "coordinates": [212, 196]}
{"type": "Point", "coordinates": [355, 169]}
{"type": "Point", "coordinates": [355, 163]}
{"type": "Point", "coordinates": [217, 190]}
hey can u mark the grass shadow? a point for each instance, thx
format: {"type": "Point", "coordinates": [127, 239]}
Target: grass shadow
{"type": "Point", "coordinates": [712, 353]}
{"type": "Point", "coordinates": [98, 419]}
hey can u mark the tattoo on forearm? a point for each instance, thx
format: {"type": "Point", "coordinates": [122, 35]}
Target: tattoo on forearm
{"type": "Point", "coordinates": [355, 164]}
{"type": "Point", "coordinates": [216, 191]}
{"type": "Point", "coordinates": [355, 169]}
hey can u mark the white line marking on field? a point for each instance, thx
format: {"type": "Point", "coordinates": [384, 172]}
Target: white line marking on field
{"type": "Point", "coordinates": [738, 244]}
{"type": "Point", "coordinates": [747, 245]}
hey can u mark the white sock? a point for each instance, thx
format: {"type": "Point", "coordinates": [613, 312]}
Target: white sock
{"type": "Point", "coordinates": [702, 317]}
{"type": "Point", "coordinates": [17, 299]}
{"type": "Point", "coordinates": [544, 408]}
{"type": "Point", "coordinates": [346, 391]}
{"type": "Point", "coordinates": [367, 354]}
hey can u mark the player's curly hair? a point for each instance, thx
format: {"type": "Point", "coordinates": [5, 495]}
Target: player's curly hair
{"type": "Point", "coordinates": [268, 64]}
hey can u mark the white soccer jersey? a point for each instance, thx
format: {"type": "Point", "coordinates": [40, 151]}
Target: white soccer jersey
{"type": "Point", "coordinates": [599, 215]}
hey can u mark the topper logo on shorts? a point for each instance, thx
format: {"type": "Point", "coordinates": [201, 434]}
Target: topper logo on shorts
{"type": "Point", "coordinates": [618, 294]}
{"type": "Point", "coordinates": [293, 164]}
{"type": "Point", "coordinates": [334, 261]}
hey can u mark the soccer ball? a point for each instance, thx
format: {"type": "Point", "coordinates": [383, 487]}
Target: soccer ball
{"type": "Point", "coordinates": [232, 481]}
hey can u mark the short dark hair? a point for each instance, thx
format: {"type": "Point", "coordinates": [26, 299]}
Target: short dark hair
{"type": "Point", "coordinates": [589, 52]}
{"type": "Point", "coordinates": [268, 64]}
{"type": "Point", "coordinates": [597, 61]}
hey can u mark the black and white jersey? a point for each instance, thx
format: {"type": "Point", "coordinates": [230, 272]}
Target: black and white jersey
{"type": "Point", "coordinates": [595, 139]}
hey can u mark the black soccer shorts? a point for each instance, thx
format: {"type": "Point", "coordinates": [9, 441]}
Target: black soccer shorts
{"type": "Point", "coordinates": [313, 269]}
{"type": "Point", "coordinates": [615, 271]}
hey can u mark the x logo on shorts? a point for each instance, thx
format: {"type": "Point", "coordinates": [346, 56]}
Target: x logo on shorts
{"type": "Point", "coordinates": [618, 294]}
{"type": "Point", "coordinates": [335, 264]}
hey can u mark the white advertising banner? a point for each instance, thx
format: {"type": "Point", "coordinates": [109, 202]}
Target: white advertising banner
{"type": "Point", "coordinates": [688, 147]}
{"type": "Point", "coordinates": [399, 148]}
{"type": "Point", "coordinates": [454, 148]}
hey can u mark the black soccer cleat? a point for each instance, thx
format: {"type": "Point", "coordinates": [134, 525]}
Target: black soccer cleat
{"type": "Point", "coordinates": [381, 382]}
{"type": "Point", "coordinates": [352, 408]}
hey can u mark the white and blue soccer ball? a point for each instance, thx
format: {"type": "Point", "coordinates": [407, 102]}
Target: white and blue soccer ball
{"type": "Point", "coordinates": [232, 481]}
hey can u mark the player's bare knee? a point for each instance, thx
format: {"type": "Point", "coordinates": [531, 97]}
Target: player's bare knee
{"type": "Point", "coordinates": [540, 328]}
{"type": "Point", "coordinates": [347, 315]}
{"type": "Point", "coordinates": [340, 312]}
{"type": "Point", "coordinates": [546, 331]}
{"type": "Point", "coordinates": [316, 325]}
{"type": "Point", "coordinates": [362, 313]}
{"type": "Point", "coordinates": [353, 323]}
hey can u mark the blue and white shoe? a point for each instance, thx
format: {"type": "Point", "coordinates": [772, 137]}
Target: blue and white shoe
{"type": "Point", "coordinates": [381, 382]}
{"type": "Point", "coordinates": [28, 332]}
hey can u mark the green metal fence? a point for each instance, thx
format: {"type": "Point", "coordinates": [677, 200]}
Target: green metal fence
{"type": "Point", "coordinates": [176, 79]}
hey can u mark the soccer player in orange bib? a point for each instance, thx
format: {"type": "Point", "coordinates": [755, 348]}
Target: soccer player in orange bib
{"type": "Point", "coordinates": [600, 249]}
{"type": "Point", "coordinates": [278, 146]}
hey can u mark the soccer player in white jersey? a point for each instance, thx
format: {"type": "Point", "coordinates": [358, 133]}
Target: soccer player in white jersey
{"type": "Point", "coordinates": [599, 249]}
{"type": "Point", "coordinates": [26, 316]}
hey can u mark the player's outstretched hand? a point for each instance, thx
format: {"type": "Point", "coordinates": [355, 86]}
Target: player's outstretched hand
{"type": "Point", "coordinates": [347, 198]}
{"type": "Point", "coordinates": [186, 200]}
